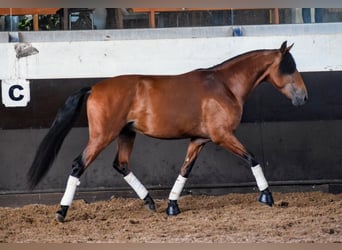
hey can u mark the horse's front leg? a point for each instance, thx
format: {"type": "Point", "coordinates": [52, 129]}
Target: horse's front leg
{"type": "Point", "coordinates": [231, 143]}
{"type": "Point", "coordinates": [194, 148]}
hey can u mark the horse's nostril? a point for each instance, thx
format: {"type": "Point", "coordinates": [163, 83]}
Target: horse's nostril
{"type": "Point", "coordinates": [305, 98]}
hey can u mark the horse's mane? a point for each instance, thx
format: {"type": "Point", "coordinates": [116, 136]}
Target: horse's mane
{"type": "Point", "coordinates": [287, 64]}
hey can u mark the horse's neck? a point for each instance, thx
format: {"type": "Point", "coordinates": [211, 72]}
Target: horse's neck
{"type": "Point", "coordinates": [245, 73]}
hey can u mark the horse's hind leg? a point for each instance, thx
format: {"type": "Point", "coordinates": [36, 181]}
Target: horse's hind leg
{"type": "Point", "coordinates": [72, 183]}
{"type": "Point", "coordinates": [125, 143]}
{"type": "Point", "coordinates": [79, 165]}
{"type": "Point", "coordinates": [99, 138]}
{"type": "Point", "coordinates": [194, 149]}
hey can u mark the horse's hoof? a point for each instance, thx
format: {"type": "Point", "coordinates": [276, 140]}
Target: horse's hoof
{"type": "Point", "coordinates": [149, 203]}
{"type": "Point", "coordinates": [172, 208]}
{"type": "Point", "coordinates": [59, 217]}
{"type": "Point", "coordinates": [266, 198]}
{"type": "Point", "coordinates": [61, 214]}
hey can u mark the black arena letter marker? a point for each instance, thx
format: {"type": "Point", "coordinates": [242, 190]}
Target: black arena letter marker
{"type": "Point", "coordinates": [11, 93]}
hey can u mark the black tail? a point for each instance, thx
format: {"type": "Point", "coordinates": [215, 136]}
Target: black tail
{"type": "Point", "coordinates": [52, 142]}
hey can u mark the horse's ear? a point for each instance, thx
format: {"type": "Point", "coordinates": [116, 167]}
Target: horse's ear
{"type": "Point", "coordinates": [289, 48]}
{"type": "Point", "coordinates": [284, 49]}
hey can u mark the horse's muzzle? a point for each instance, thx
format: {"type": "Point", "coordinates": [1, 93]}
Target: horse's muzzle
{"type": "Point", "coordinates": [299, 99]}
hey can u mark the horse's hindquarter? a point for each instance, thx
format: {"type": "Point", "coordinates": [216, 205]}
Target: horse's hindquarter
{"type": "Point", "coordinates": [109, 103]}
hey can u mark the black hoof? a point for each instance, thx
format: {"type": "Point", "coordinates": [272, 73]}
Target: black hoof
{"type": "Point", "coordinates": [60, 214]}
{"type": "Point", "coordinates": [59, 217]}
{"type": "Point", "coordinates": [172, 208]}
{"type": "Point", "coordinates": [266, 197]}
{"type": "Point", "coordinates": [149, 203]}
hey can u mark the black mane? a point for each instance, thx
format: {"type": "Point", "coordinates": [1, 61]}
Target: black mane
{"type": "Point", "coordinates": [287, 64]}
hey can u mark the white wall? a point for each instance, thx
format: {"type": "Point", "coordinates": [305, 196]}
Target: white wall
{"type": "Point", "coordinates": [82, 59]}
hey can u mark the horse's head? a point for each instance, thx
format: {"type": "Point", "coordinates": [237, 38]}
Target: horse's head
{"type": "Point", "coordinates": [284, 76]}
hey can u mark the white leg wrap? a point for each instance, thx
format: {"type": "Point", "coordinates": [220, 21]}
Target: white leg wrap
{"type": "Point", "coordinates": [177, 188]}
{"type": "Point", "coordinates": [70, 190]}
{"type": "Point", "coordinates": [137, 186]}
{"type": "Point", "coordinates": [259, 177]}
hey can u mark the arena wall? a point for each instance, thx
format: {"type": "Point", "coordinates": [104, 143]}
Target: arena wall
{"type": "Point", "coordinates": [296, 146]}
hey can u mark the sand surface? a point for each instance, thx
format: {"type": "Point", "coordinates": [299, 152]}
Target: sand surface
{"type": "Point", "coordinates": [296, 217]}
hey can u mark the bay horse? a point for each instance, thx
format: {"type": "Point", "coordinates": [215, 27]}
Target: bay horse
{"type": "Point", "coordinates": [204, 105]}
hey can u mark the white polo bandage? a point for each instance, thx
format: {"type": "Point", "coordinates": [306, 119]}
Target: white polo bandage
{"type": "Point", "coordinates": [70, 190]}
{"type": "Point", "coordinates": [177, 188]}
{"type": "Point", "coordinates": [137, 186]}
{"type": "Point", "coordinates": [259, 177]}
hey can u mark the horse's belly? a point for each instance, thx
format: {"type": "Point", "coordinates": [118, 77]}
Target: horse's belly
{"type": "Point", "coordinates": [169, 127]}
